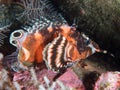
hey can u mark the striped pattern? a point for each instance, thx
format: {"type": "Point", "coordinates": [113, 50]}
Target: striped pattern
{"type": "Point", "coordinates": [36, 24]}
{"type": "Point", "coordinates": [2, 36]}
{"type": "Point", "coordinates": [55, 56]}
{"type": "Point", "coordinates": [37, 8]}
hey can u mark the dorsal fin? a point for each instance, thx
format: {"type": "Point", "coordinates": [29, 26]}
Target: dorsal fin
{"type": "Point", "coordinates": [38, 8]}
{"type": "Point", "coordinates": [39, 14]}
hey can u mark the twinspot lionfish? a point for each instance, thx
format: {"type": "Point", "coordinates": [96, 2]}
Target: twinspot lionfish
{"type": "Point", "coordinates": [46, 36]}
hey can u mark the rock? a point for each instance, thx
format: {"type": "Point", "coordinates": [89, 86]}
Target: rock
{"type": "Point", "coordinates": [70, 79]}
{"type": "Point", "coordinates": [108, 81]}
{"type": "Point", "coordinates": [5, 80]}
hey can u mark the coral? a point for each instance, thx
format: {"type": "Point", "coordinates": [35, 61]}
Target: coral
{"type": "Point", "coordinates": [108, 81]}
{"type": "Point", "coordinates": [43, 79]}
{"type": "Point", "coordinates": [5, 80]}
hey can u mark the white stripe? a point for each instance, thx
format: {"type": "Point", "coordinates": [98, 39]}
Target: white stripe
{"type": "Point", "coordinates": [26, 52]}
{"type": "Point", "coordinates": [67, 50]}
{"type": "Point", "coordinates": [49, 52]}
{"type": "Point", "coordinates": [60, 52]}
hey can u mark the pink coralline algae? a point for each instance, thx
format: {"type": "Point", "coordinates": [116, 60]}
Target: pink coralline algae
{"type": "Point", "coordinates": [69, 80]}
{"type": "Point", "coordinates": [108, 81]}
{"type": "Point", "coordinates": [25, 76]}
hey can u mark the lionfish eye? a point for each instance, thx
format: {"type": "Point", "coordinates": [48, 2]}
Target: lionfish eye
{"type": "Point", "coordinates": [17, 34]}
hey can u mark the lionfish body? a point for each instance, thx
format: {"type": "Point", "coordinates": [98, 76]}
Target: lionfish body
{"type": "Point", "coordinates": [52, 41]}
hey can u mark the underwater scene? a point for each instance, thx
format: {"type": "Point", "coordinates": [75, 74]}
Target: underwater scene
{"type": "Point", "coordinates": [59, 44]}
